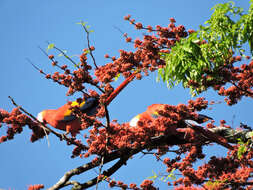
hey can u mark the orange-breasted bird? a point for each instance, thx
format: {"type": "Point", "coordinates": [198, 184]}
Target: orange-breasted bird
{"type": "Point", "coordinates": [63, 117]}
{"type": "Point", "coordinates": [152, 112]}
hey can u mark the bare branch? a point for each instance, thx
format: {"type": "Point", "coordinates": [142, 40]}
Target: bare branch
{"type": "Point", "coordinates": [106, 173]}
{"type": "Point", "coordinates": [107, 140]}
{"type": "Point", "coordinates": [66, 56]}
{"type": "Point", "coordinates": [230, 134]}
{"type": "Point", "coordinates": [88, 41]}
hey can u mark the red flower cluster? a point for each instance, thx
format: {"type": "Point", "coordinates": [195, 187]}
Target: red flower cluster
{"type": "Point", "coordinates": [240, 80]}
{"type": "Point", "coordinates": [15, 121]}
{"type": "Point", "coordinates": [170, 125]}
{"type": "Point", "coordinates": [146, 57]}
{"type": "Point", "coordinates": [36, 187]}
{"type": "Point", "coordinates": [147, 185]}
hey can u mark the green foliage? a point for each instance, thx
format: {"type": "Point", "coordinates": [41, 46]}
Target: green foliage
{"type": "Point", "coordinates": [154, 177]}
{"type": "Point", "coordinates": [214, 184]}
{"type": "Point", "coordinates": [50, 46]}
{"type": "Point", "coordinates": [62, 54]}
{"type": "Point", "coordinates": [227, 31]}
{"type": "Point", "coordinates": [162, 177]}
{"type": "Point", "coordinates": [242, 148]}
{"type": "Point", "coordinates": [84, 24]}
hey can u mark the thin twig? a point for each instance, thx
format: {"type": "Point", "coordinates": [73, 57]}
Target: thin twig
{"type": "Point", "coordinates": [107, 141]}
{"type": "Point", "coordinates": [106, 173]}
{"type": "Point", "coordinates": [66, 56]}
{"type": "Point", "coordinates": [101, 90]}
{"type": "Point", "coordinates": [41, 71]}
{"type": "Point", "coordinates": [88, 41]}
{"type": "Point", "coordinates": [244, 90]}
{"type": "Point", "coordinates": [230, 134]}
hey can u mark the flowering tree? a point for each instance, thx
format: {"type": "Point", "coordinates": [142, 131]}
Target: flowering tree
{"type": "Point", "coordinates": [199, 60]}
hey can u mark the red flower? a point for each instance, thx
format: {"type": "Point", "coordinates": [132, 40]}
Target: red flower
{"type": "Point", "coordinates": [92, 48]}
{"type": "Point", "coordinates": [127, 17]}
{"type": "Point", "coordinates": [138, 25]}
{"type": "Point", "coordinates": [128, 39]}
{"type": "Point", "coordinates": [191, 31]}
{"type": "Point", "coordinates": [51, 56]}
{"type": "Point", "coordinates": [172, 20]}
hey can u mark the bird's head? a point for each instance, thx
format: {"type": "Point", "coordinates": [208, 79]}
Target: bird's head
{"type": "Point", "coordinates": [134, 121]}
{"type": "Point", "coordinates": [40, 117]}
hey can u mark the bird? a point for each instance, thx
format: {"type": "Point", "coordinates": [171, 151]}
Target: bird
{"type": "Point", "coordinates": [152, 113]}
{"type": "Point", "coordinates": [63, 117]}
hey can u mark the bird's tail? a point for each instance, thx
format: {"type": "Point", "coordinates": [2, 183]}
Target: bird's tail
{"type": "Point", "coordinates": [119, 88]}
{"type": "Point", "coordinates": [208, 134]}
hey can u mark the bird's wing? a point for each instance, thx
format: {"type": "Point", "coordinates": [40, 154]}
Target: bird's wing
{"type": "Point", "coordinates": [88, 106]}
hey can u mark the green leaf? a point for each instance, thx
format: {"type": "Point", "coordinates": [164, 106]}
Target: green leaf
{"type": "Point", "coordinates": [87, 51]}
{"type": "Point", "coordinates": [82, 23]}
{"type": "Point", "coordinates": [50, 46]}
{"type": "Point", "coordinates": [154, 177]}
{"type": "Point", "coordinates": [241, 150]}
{"type": "Point", "coordinates": [62, 54]}
{"type": "Point", "coordinates": [228, 28]}
{"type": "Point", "coordinates": [250, 134]}
{"type": "Point", "coordinates": [77, 65]}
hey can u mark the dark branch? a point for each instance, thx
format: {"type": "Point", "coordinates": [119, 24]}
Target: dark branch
{"type": "Point", "coordinates": [231, 135]}
{"type": "Point", "coordinates": [106, 173]}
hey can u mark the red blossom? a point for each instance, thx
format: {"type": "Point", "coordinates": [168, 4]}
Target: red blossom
{"type": "Point", "coordinates": [138, 25]}
{"type": "Point", "coordinates": [127, 17]}
{"type": "Point", "coordinates": [191, 31]}
{"type": "Point", "coordinates": [92, 48]}
{"type": "Point", "coordinates": [172, 20]}
{"type": "Point", "coordinates": [51, 56]}
{"type": "Point", "coordinates": [128, 39]}
{"type": "Point", "coordinates": [147, 185]}
{"type": "Point", "coordinates": [36, 187]}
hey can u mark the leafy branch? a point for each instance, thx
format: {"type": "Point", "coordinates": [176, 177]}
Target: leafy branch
{"type": "Point", "coordinates": [209, 48]}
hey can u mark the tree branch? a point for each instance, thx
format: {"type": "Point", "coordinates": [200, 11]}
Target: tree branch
{"type": "Point", "coordinates": [231, 135]}
{"type": "Point", "coordinates": [88, 40]}
{"type": "Point", "coordinates": [106, 173]}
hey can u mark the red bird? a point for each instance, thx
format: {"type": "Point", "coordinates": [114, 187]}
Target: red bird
{"type": "Point", "coordinates": [152, 112]}
{"type": "Point", "coordinates": [63, 118]}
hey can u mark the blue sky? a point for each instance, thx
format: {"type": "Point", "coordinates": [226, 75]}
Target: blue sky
{"type": "Point", "coordinates": [27, 24]}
